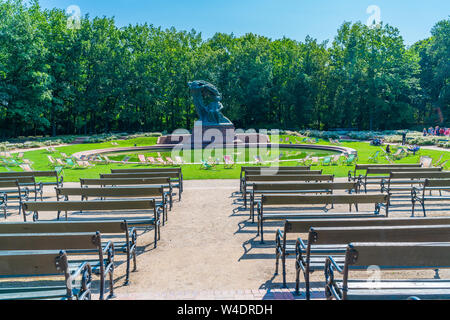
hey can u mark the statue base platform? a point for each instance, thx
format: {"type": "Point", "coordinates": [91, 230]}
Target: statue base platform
{"type": "Point", "coordinates": [203, 136]}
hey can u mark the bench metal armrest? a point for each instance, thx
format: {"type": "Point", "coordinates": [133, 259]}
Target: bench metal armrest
{"type": "Point", "coordinates": [279, 240]}
{"type": "Point", "coordinates": [300, 248]}
{"type": "Point", "coordinates": [133, 241]}
{"type": "Point", "coordinates": [26, 194]}
{"type": "Point", "coordinates": [3, 198]}
{"type": "Point", "coordinates": [414, 192]}
{"type": "Point", "coordinates": [60, 182]}
{"type": "Point", "coordinates": [85, 270]}
{"type": "Point", "coordinates": [109, 250]}
{"type": "Point", "coordinates": [350, 176]}
{"type": "Point", "coordinates": [331, 288]}
{"type": "Point", "coordinates": [383, 185]}
{"type": "Point", "coordinates": [159, 210]}
{"type": "Point", "coordinates": [167, 198]}
{"type": "Point", "coordinates": [75, 273]}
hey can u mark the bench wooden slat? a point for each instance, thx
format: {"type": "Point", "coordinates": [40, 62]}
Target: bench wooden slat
{"type": "Point", "coordinates": [303, 226]}
{"type": "Point", "coordinates": [140, 175]}
{"type": "Point", "coordinates": [345, 235]}
{"type": "Point", "coordinates": [48, 241]}
{"type": "Point", "coordinates": [323, 199]}
{"type": "Point", "coordinates": [123, 182]}
{"type": "Point", "coordinates": [419, 175]}
{"type": "Point", "coordinates": [104, 226]}
{"type": "Point", "coordinates": [302, 177]}
{"type": "Point", "coordinates": [303, 186]}
{"type": "Point", "coordinates": [112, 192]}
{"type": "Point", "coordinates": [89, 205]}
{"type": "Point", "coordinates": [28, 263]}
{"type": "Point", "coordinates": [143, 170]}
{"type": "Point", "coordinates": [399, 255]}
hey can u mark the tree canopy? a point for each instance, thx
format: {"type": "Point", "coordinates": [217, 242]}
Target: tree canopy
{"type": "Point", "coordinates": [101, 78]}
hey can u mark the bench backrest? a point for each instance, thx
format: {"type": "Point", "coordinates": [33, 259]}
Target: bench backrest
{"type": "Point", "coordinates": [32, 263]}
{"type": "Point", "coordinates": [103, 226]}
{"type": "Point", "coordinates": [20, 180]}
{"type": "Point", "coordinates": [420, 175]}
{"type": "Point", "coordinates": [29, 174]}
{"type": "Point", "coordinates": [9, 184]}
{"type": "Point", "coordinates": [346, 235]}
{"type": "Point", "coordinates": [37, 206]}
{"type": "Point", "coordinates": [398, 169]}
{"type": "Point", "coordinates": [280, 168]}
{"type": "Point", "coordinates": [323, 199]}
{"type": "Point", "coordinates": [398, 255]}
{"type": "Point", "coordinates": [402, 165]}
{"type": "Point", "coordinates": [144, 170]}
{"type": "Point", "coordinates": [112, 192]}
{"type": "Point", "coordinates": [140, 175]}
{"type": "Point", "coordinates": [437, 183]}
{"type": "Point", "coordinates": [275, 171]}
{"type": "Point", "coordinates": [125, 182]}
{"type": "Point", "coordinates": [51, 241]}
{"type": "Point", "coordinates": [304, 186]}
{"type": "Point", "coordinates": [303, 226]}
{"type": "Point", "coordinates": [302, 177]}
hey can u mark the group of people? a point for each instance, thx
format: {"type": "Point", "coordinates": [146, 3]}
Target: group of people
{"type": "Point", "coordinates": [437, 131]}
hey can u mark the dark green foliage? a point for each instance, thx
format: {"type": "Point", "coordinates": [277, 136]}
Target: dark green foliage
{"type": "Point", "coordinates": [55, 80]}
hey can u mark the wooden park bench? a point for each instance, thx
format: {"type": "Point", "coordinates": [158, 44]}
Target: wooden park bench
{"type": "Point", "coordinates": [419, 194]}
{"type": "Point", "coordinates": [123, 206]}
{"type": "Point", "coordinates": [74, 244]}
{"type": "Point", "coordinates": [11, 189]}
{"type": "Point", "coordinates": [27, 185]}
{"type": "Point", "coordinates": [157, 192]}
{"type": "Point", "coordinates": [375, 175]}
{"type": "Point", "coordinates": [25, 264]}
{"type": "Point", "coordinates": [59, 179]}
{"type": "Point", "coordinates": [285, 248]}
{"type": "Point", "coordinates": [405, 181]}
{"type": "Point", "coordinates": [322, 242]}
{"type": "Point", "coordinates": [175, 178]}
{"type": "Point", "coordinates": [298, 188]}
{"type": "Point", "coordinates": [178, 170]}
{"type": "Point", "coordinates": [353, 175]}
{"type": "Point", "coordinates": [123, 233]}
{"type": "Point", "coordinates": [164, 182]}
{"type": "Point", "coordinates": [281, 201]}
{"type": "Point", "coordinates": [311, 176]}
{"type": "Point", "coordinates": [388, 256]}
{"type": "Point", "coordinates": [257, 170]}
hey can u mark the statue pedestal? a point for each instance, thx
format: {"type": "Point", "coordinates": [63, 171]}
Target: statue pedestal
{"type": "Point", "coordinates": [216, 134]}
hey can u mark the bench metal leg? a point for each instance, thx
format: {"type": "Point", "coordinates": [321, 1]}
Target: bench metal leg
{"type": "Point", "coordinates": [111, 283]}
{"type": "Point", "coordinates": [277, 261]}
{"type": "Point", "coordinates": [297, 279]}
{"type": "Point", "coordinates": [436, 274]}
{"type": "Point", "coordinates": [261, 230]}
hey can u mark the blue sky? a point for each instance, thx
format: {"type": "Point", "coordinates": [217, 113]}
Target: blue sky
{"type": "Point", "coordinates": [272, 18]}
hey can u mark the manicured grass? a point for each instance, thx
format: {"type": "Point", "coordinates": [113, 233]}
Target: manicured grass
{"type": "Point", "coordinates": [191, 172]}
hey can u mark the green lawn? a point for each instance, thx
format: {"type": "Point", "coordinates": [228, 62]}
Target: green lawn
{"type": "Point", "coordinates": [191, 172]}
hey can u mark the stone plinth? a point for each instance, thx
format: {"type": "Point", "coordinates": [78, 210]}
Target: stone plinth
{"type": "Point", "coordinates": [249, 138]}
{"type": "Point", "coordinates": [203, 135]}
{"type": "Point", "coordinates": [219, 134]}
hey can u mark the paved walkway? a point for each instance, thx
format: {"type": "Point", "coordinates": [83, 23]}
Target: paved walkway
{"type": "Point", "coordinates": [208, 250]}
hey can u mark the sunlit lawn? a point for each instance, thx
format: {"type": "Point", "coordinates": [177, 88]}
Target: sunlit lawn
{"type": "Point", "coordinates": [191, 172]}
